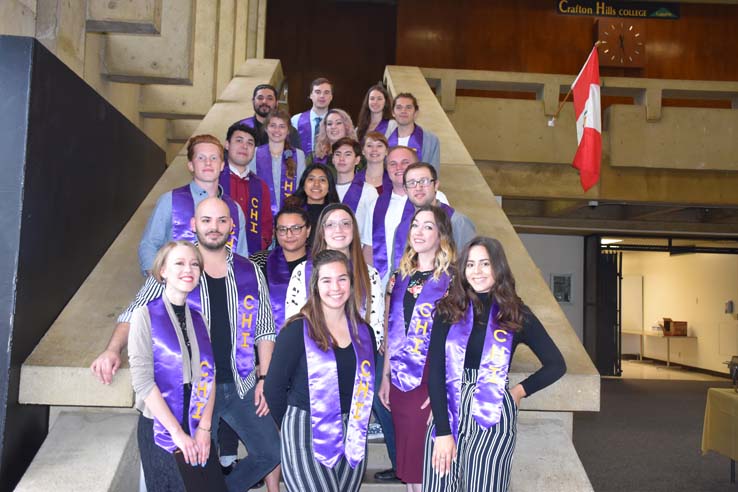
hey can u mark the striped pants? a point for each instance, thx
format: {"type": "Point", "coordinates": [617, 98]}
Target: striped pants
{"type": "Point", "coordinates": [302, 473]}
{"type": "Point", "coordinates": [483, 456]}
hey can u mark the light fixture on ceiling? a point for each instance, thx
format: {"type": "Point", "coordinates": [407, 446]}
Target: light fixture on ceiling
{"type": "Point", "coordinates": [606, 240]}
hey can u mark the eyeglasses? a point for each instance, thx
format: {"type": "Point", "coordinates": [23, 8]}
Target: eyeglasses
{"type": "Point", "coordinates": [422, 182]}
{"type": "Point", "coordinates": [342, 224]}
{"type": "Point", "coordinates": [295, 229]}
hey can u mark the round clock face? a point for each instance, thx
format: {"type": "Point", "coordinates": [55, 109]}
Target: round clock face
{"type": "Point", "coordinates": [622, 43]}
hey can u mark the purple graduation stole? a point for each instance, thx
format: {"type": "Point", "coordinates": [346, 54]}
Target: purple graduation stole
{"type": "Point", "coordinates": [305, 130]}
{"type": "Point", "coordinates": [447, 208]}
{"type": "Point", "coordinates": [408, 352]}
{"type": "Point", "coordinates": [308, 272]}
{"type": "Point", "coordinates": [398, 245]}
{"type": "Point", "coordinates": [321, 160]}
{"type": "Point", "coordinates": [254, 209]}
{"type": "Point", "coordinates": [386, 181]}
{"type": "Point", "coordinates": [353, 194]}
{"type": "Point", "coordinates": [168, 362]}
{"type": "Point", "coordinates": [491, 378]}
{"type": "Point", "coordinates": [325, 410]}
{"type": "Point", "coordinates": [247, 287]}
{"type": "Point", "coordinates": [415, 141]}
{"type": "Point", "coordinates": [183, 209]}
{"type": "Point", "coordinates": [382, 126]}
{"type": "Point", "coordinates": [250, 121]}
{"type": "Point", "coordinates": [278, 276]}
{"type": "Point", "coordinates": [379, 244]}
{"type": "Point", "coordinates": [287, 186]}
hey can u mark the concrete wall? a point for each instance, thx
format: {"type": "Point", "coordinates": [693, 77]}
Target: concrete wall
{"type": "Point", "coordinates": [692, 288]}
{"type": "Point", "coordinates": [561, 254]}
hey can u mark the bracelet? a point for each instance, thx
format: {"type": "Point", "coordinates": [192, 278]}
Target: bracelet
{"type": "Point", "coordinates": [202, 429]}
{"type": "Point", "coordinates": [261, 378]}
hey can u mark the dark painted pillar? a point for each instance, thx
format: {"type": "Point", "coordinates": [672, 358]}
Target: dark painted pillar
{"type": "Point", "coordinates": [72, 172]}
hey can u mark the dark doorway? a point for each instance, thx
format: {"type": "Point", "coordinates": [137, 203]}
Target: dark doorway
{"type": "Point", "coordinates": [601, 312]}
{"type": "Point", "coordinates": [349, 42]}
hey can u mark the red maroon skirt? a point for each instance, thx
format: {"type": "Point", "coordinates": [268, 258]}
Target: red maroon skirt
{"type": "Point", "coordinates": [410, 424]}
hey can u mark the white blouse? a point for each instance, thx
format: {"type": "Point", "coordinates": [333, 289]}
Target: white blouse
{"type": "Point", "coordinates": [297, 296]}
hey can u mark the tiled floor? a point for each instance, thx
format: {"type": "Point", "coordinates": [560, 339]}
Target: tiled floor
{"type": "Point", "coordinates": [633, 369]}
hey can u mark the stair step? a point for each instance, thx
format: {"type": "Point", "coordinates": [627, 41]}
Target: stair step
{"type": "Point", "coordinates": [368, 483]}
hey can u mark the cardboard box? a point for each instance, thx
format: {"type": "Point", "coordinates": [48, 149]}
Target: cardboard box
{"type": "Point", "coordinates": [674, 328]}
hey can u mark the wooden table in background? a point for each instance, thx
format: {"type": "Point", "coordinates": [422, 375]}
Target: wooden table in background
{"type": "Point", "coordinates": [720, 431]}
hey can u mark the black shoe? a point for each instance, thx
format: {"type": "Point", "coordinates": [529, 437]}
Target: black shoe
{"type": "Point", "coordinates": [257, 485]}
{"type": "Point", "coordinates": [228, 469]}
{"type": "Point", "coordinates": [386, 475]}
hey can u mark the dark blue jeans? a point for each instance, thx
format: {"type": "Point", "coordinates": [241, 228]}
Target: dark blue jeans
{"type": "Point", "coordinates": [258, 434]}
{"type": "Point", "coordinates": [382, 414]}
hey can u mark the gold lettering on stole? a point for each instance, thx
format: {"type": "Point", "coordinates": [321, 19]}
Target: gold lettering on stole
{"type": "Point", "coordinates": [362, 392]}
{"type": "Point", "coordinates": [247, 320]}
{"type": "Point", "coordinates": [204, 365]}
{"type": "Point", "coordinates": [498, 334]}
{"type": "Point", "coordinates": [198, 412]}
{"type": "Point", "coordinates": [498, 355]}
{"type": "Point", "coordinates": [415, 349]}
{"type": "Point", "coordinates": [202, 389]}
{"type": "Point", "coordinates": [254, 214]}
{"type": "Point", "coordinates": [494, 377]}
{"type": "Point", "coordinates": [288, 187]}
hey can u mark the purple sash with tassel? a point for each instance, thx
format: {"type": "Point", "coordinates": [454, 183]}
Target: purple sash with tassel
{"type": "Point", "coordinates": [253, 214]}
{"type": "Point", "coordinates": [252, 211]}
{"type": "Point", "coordinates": [168, 362]}
{"type": "Point", "coordinates": [353, 194]}
{"type": "Point", "coordinates": [287, 186]}
{"type": "Point", "coordinates": [250, 121]}
{"type": "Point", "coordinates": [278, 276]}
{"type": "Point", "coordinates": [379, 236]}
{"type": "Point", "coordinates": [183, 209]}
{"type": "Point", "coordinates": [382, 126]}
{"type": "Point", "coordinates": [305, 130]}
{"type": "Point", "coordinates": [325, 411]}
{"type": "Point", "coordinates": [408, 352]}
{"type": "Point", "coordinates": [247, 287]}
{"type": "Point", "coordinates": [493, 368]}
{"type": "Point", "coordinates": [386, 181]}
{"type": "Point", "coordinates": [415, 141]}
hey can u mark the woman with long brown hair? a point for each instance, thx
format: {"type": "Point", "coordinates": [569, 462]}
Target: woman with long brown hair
{"type": "Point", "coordinates": [414, 289]}
{"type": "Point", "coordinates": [337, 230]}
{"type": "Point", "coordinates": [326, 355]}
{"type": "Point", "coordinates": [277, 163]}
{"type": "Point", "coordinates": [375, 113]}
{"type": "Point", "coordinates": [476, 330]}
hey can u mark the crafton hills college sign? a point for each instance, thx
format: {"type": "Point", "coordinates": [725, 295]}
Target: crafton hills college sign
{"type": "Point", "coordinates": [605, 8]}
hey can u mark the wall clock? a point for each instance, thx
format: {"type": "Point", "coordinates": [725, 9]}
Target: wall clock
{"type": "Point", "coordinates": [622, 42]}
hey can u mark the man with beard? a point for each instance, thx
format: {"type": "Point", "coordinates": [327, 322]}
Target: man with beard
{"type": "Point", "coordinates": [421, 184]}
{"type": "Point", "coordinates": [234, 299]}
{"type": "Point", "coordinates": [170, 219]}
{"type": "Point", "coordinates": [265, 101]}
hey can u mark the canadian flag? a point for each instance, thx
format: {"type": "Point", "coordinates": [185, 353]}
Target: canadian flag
{"type": "Point", "coordinates": [586, 89]}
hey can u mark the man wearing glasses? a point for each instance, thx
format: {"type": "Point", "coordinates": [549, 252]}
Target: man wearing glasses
{"type": "Point", "coordinates": [421, 185]}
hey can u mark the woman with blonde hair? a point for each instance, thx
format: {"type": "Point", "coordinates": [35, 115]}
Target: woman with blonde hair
{"type": "Point", "coordinates": [321, 391]}
{"type": "Point", "coordinates": [414, 289]}
{"type": "Point", "coordinates": [336, 125]}
{"type": "Point", "coordinates": [173, 375]}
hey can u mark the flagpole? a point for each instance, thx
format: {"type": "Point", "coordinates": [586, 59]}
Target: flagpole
{"type": "Point", "coordinates": [561, 105]}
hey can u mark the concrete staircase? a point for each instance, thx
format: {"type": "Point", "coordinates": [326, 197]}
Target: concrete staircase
{"type": "Point", "coordinates": [181, 67]}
